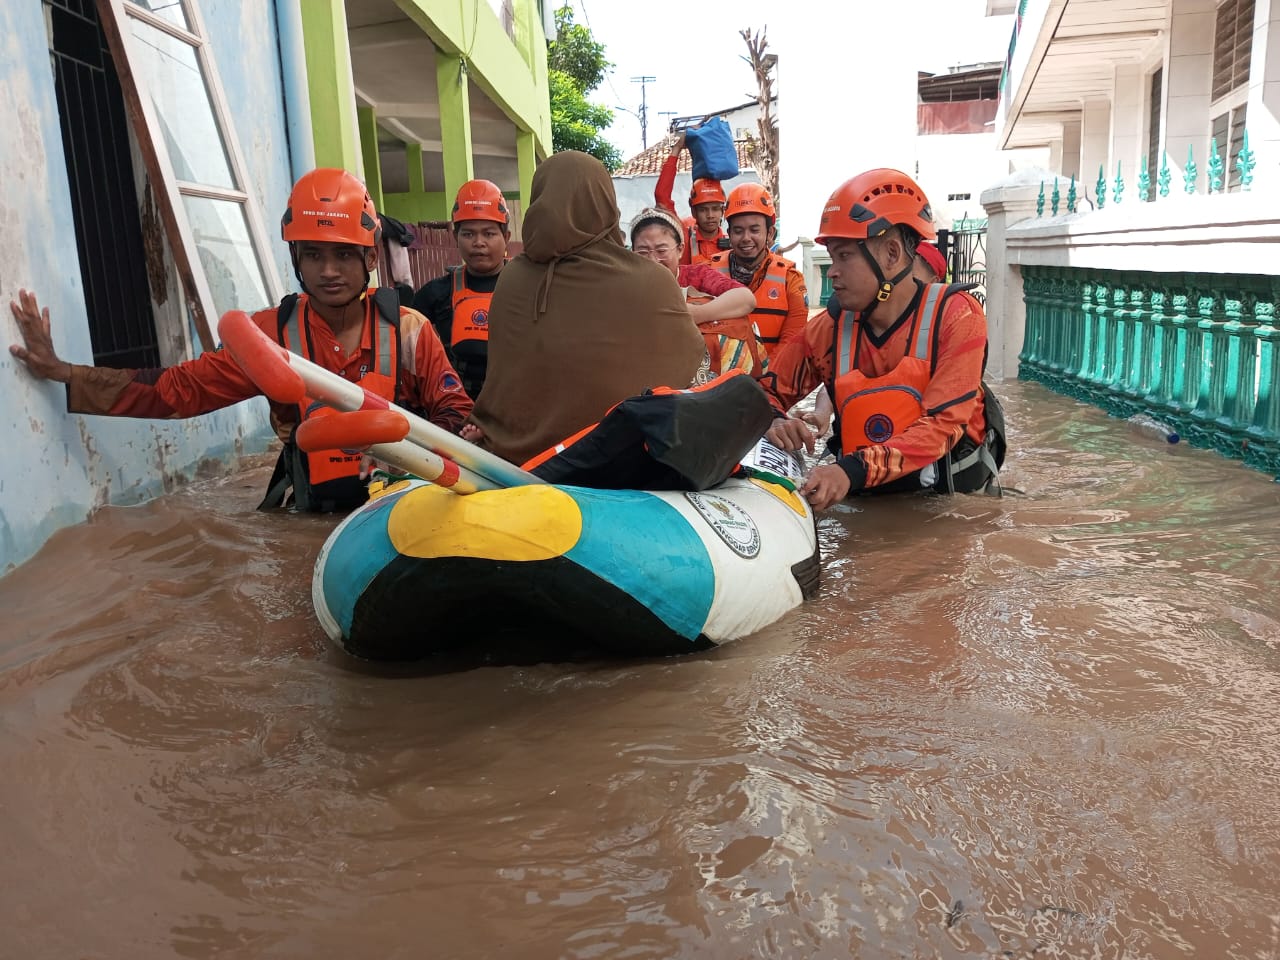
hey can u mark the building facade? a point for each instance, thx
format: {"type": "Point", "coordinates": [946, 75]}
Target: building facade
{"type": "Point", "coordinates": [145, 173]}
{"type": "Point", "coordinates": [1139, 270]}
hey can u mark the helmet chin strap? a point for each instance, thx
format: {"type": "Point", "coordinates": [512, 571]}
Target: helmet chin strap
{"type": "Point", "coordinates": [886, 285]}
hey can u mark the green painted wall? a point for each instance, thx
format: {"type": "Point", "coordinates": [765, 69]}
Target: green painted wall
{"type": "Point", "coordinates": [329, 84]}
{"type": "Point", "coordinates": [495, 64]}
{"type": "Point", "coordinates": [511, 73]}
{"type": "Point", "coordinates": [412, 207]}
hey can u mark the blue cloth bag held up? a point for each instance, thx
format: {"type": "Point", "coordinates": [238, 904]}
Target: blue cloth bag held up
{"type": "Point", "coordinates": [712, 149]}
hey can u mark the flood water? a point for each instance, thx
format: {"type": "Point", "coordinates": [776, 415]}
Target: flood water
{"type": "Point", "coordinates": [1045, 725]}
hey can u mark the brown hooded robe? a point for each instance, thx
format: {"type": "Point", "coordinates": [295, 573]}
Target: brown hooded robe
{"type": "Point", "coordinates": [578, 322]}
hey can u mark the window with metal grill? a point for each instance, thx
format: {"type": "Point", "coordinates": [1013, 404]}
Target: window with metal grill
{"type": "Point", "coordinates": [1232, 47]}
{"type": "Point", "coordinates": [104, 203]}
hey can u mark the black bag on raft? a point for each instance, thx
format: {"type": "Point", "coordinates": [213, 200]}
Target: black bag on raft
{"type": "Point", "coordinates": [666, 439]}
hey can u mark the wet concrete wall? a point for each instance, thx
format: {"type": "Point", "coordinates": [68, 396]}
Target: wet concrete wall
{"type": "Point", "coordinates": [58, 468]}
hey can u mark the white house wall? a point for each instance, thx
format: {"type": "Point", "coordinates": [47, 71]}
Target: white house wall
{"type": "Point", "coordinates": [58, 468]}
{"type": "Point", "coordinates": [960, 163]}
{"type": "Point", "coordinates": [1188, 77]}
{"type": "Point", "coordinates": [1128, 143]}
{"type": "Point", "coordinates": [1110, 126]}
{"type": "Point", "coordinates": [1264, 83]}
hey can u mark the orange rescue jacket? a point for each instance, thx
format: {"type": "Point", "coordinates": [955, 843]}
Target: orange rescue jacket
{"type": "Point", "coordinates": [333, 476]}
{"type": "Point", "coordinates": [771, 296]}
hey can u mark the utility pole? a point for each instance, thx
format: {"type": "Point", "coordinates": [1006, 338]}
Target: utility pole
{"type": "Point", "coordinates": [644, 109]}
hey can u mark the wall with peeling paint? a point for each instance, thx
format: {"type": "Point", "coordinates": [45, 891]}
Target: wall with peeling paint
{"type": "Point", "coordinates": [58, 468]}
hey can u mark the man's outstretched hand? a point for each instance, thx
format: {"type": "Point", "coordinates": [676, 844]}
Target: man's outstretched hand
{"type": "Point", "coordinates": [36, 351]}
{"type": "Point", "coordinates": [827, 484]}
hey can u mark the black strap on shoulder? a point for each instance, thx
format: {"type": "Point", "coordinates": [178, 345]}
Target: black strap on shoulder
{"type": "Point", "coordinates": [287, 305]}
{"type": "Point", "coordinates": [952, 289]}
{"type": "Point", "coordinates": [388, 303]}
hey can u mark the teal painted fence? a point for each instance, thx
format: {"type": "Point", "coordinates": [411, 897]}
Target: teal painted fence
{"type": "Point", "coordinates": [1198, 351]}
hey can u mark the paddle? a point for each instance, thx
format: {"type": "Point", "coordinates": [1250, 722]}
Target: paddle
{"type": "Point", "coordinates": [380, 433]}
{"type": "Point", "coordinates": [423, 448]}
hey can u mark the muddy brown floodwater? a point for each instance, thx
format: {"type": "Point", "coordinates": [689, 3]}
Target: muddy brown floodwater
{"type": "Point", "coordinates": [1045, 725]}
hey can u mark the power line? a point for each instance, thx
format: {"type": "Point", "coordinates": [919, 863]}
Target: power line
{"type": "Point", "coordinates": [608, 76]}
{"type": "Point", "coordinates": [644, 82]}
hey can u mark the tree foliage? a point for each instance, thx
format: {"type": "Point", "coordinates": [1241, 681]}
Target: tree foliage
{"type": "Point", "coordinates": [576, 65]}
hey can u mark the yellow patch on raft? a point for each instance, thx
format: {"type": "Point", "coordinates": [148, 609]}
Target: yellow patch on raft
{"type": "Point", "coordinates": [789, 497]}
{"type": "Point", "coordinates": [536, 522]}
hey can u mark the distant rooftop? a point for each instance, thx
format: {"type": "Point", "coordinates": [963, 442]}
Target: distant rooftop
{"type": "Point", "coordinates": [976, 82]}
{"type": "Point", "coordinates": [679, 123]}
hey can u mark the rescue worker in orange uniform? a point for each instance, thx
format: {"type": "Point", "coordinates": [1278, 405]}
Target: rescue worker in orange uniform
{"type": "Point", "coordinates": [338, 322]}
{"type": "Point", "coordinates": [704, 234]}
{"type": "Point", "coordinates": [903, 359]}
{"type": "Point", "coordinates": [458, 302]}
{"type": "Point", "coordinates": [930, 266]}
{"type": "Point", "coordinates": [782, 303]}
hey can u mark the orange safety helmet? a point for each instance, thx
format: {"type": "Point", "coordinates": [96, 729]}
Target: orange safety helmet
{"type": "Point", "coordinates": [330, 206]}
{"type": "Point", "coordinates": [750, 198]}
{"type": "Point", "coordinates": [481, 200]}
{"type": "Point", "coordinates": [706, 191]}
{"type": "Point", "coordinates": [871, 203]}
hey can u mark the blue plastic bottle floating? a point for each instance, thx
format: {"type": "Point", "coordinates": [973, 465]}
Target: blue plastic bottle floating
{"type": "Point", "coordinates": [1153, 428]}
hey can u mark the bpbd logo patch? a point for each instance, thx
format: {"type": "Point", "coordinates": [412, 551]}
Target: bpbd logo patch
{"type": "Point", "coordinates": [878, 428]}
{"type": "Point", "coordinates": [449, 382]}
{"type": "Point", "coordinates": [480, 319]}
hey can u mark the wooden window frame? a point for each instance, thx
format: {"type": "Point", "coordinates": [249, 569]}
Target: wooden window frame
{"type": "Point", "coordinates": [115, 16]}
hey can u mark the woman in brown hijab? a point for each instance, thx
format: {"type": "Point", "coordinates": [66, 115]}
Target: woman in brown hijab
{"type": "Point", "coordinates": [578, 322]}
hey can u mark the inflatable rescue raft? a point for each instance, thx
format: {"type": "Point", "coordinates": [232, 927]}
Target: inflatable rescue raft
{"type": "Point", "coordinates": [553, 560]}
{"type": "Point", "coordinates": [419, 572]}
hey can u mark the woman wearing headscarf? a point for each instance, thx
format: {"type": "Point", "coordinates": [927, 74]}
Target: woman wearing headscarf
{"type": "Point", "coordinates": [578, 323]}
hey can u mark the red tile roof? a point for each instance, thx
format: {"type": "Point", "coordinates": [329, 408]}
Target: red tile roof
{"type": "Point", "coordinates": [649, 162]}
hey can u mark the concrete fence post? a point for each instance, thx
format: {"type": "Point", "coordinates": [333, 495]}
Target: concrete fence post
{"type": "Point", "coordinates": [1008, 202]}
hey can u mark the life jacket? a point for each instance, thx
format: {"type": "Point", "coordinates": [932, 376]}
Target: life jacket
{"type": "Point", "coordinates": [694, 242]}
{"type": "Point", "coordinates": [664, 439]}
{"type": "Point", "coordinates": [329, 480]}
{"type": "Point", "coordinates": [469, 332]}
{"type": "Point", "coordinates": [771, 297]}
{"type": "Point", "coordinates": [874, 410]}
{"type": "Point", "coordinates": [731, 343]}
{"type": "Point", "coordinates": [470, 312]}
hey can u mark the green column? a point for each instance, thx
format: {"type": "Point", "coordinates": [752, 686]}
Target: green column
{"type": "Point", "coordinates": [413, 158]}
{"type": "Point", "coordinates": [1152, 394]}
{"type": "Point", "coordinates": [1207, 401]}
{"type": "Point", "coordinates": [455, 122]}
{"type": "Point", "coordinates": [1033, 296]}
{"type": "Point", "coordinates": [526, 161]}
{"type": "Point", "coordinates": [1141, 331]}
{"type": "Point", "coordinates": [329, 84]}
{"type": "Point", "coordinates": [1263, 433]}
{"type": "Point", "coordinates": [369, 150]}
{"type": "Point", "coordinates": [1182, 352]}
{"type": "Point", "coordinates": [1121, 333]}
